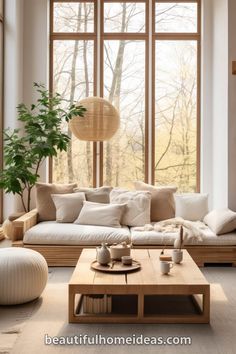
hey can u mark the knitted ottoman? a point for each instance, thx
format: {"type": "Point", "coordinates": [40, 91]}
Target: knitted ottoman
{"type": "Point", "coordinates": [23, 275]}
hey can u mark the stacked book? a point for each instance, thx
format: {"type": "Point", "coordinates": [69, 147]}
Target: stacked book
{"type": "Point", "coordinates": [97, 303]}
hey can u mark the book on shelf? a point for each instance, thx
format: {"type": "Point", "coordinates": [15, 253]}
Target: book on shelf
{"type": "Point", "coordinates": [97, 303]}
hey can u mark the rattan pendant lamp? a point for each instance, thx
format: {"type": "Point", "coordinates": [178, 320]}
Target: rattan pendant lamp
{"type": "Point", "coordinates": [100, 122]}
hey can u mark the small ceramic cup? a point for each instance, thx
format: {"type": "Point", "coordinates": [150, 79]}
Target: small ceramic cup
{"type": "Point", "coordinates": [177, 256]}
{"type": "Point", "coordinates": [165, 267]}
{"type": "Point", "coordinates": [126, 260]}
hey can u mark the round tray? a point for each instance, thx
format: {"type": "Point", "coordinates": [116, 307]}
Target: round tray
{"type": "Point", "coordinates": [116, 267]}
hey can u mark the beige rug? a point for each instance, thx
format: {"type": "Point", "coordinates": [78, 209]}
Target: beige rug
{"type": "Point", "coordinates": [27, 324]}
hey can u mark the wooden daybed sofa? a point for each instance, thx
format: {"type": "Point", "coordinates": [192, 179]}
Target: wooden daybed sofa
{"type": "Point", "coordinates": [65, 251]}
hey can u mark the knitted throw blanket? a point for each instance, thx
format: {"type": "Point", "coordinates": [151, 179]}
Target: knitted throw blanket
{"type": "Point", "coordinates": [192, 229]}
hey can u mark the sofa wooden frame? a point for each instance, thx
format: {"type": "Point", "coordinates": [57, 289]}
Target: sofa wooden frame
{"type": "Point", "coordinates": [64, 255]}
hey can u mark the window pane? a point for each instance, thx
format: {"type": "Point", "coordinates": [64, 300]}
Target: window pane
{"type": "Point", "coordinates": [176, 17]}
{"type": "Point", "coordinates": [73, 78]}
{"type": "Point", "coordinates": [176, 122]}
{"type": "Point", "coordinates": [124, 17]}
{"type": "Point", "coordinates": [124, 86]}
{"type": "Point", "coordinates": [73, 17]}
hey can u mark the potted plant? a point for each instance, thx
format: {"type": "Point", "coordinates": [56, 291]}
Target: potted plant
{"type": "Point", "coordinates": [41, 136]}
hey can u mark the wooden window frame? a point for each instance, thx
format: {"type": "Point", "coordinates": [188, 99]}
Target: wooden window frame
{"type": "Point", "coordinates": [149, 94]}
{"type": "Point", "coordinates": [1, 113]}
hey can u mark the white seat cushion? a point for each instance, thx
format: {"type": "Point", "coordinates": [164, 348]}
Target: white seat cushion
{"type": "Point", "coordinates": [158, 238]}
{"type": "Point", "coordinates": [52, 233]}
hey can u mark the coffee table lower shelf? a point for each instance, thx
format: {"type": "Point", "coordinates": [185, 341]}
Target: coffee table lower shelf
{"type": "Point", "coordinates": [144, 308]}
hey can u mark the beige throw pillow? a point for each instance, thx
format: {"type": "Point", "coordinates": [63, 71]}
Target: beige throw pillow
{"type": "Point", "coordinates": [68, 206]}
{"type": "Point", "coordinates": [44, 203]}
{"type": "Point", "coordinates": [191, 206]}
{"type": "Point", "coordinates": [162, 200]}
{"type": "Point", "coordinates": [221, 221]}
{"type": "Point", "coordinates": [96, 195]}
{"type": "Point", "coordinates": [138, 206]}
{"type": "Point", "coordinates": [100, 214]}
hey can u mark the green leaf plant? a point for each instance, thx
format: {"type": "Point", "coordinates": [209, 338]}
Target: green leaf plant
{"type": "Point", "coordinates": [41, 136]}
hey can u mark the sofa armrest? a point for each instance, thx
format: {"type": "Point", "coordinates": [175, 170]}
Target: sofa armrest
{"type": "Point", "coordinates": [24, 223]}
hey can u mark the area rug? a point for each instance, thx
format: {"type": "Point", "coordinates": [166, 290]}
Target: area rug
{"type": "Point", "coordinates": [47, 318]}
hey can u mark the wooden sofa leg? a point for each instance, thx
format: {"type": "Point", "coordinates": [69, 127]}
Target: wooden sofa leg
{"type": "Point", "coordinates": [17, 244]}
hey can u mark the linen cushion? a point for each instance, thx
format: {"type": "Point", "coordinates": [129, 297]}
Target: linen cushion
{"type": "Point", "coordinates": [137, 212]}
{"type": "Point", "coordinates": [221, 221]}
{"type": "Point", "coordinates": [68, 206]}
{"type": "Point", "coordinates": [96, 195]}
{"type": "Point", "coordinates": [44, 203]}
{"type": "Point", "coordinates": [53, 233]}
{"type": "Point", "coordinates": [162, 200]}
{"type": "Point", "coordinates": [100, 214]}
{"type": "Point", "coordinates": [191, 206]}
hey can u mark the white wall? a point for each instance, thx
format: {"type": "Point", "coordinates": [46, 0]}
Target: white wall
{"type": "Point", "coordinates": [206, 101]}
{"type": "Point", "coordinates": [220, 103]}
{"type": "Point", "coordinates": [13, 80]}
{"type": "Point", "coordinates": [35, 65]}
{"type": "Point", "coordinates": [214, 127]}
{"type": "Point", "coordinates": [26, 61]}
{"type": "Point", "coordinates": [232, 107]}
{"type": "Point", "coordinates": [36, 45]}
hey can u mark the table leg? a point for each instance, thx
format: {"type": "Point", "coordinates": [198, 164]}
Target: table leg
{"type": "Point", "coordinates": [71, 310]}
{"type": "Point", "coordinates": [206, 304]}
{"type": "Point", "coordinates": [140, 305]}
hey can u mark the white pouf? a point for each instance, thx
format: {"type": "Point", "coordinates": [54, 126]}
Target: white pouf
{"type": "Point", "coordinates": [23, 275]}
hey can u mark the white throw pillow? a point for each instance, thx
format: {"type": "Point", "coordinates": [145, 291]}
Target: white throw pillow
{"type": "Point", "coordinates": [138, 206]}
{"type": "Point", "coordinates": [100, 214]}
{"type": "Point", "coordinates": [68, 206]}
{"type": "Point", "coordinates": [221, 221]}
{"type": "Point", "coordinates": [191, 206]}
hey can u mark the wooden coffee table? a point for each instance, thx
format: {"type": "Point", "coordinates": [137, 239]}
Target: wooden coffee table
{"type": "Point", "coordinates": [144, 296]}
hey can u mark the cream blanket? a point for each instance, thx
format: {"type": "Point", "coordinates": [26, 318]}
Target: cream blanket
{"type": "Point", "coordinates": [192, 229]}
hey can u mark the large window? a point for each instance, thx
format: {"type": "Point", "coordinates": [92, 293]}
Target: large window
{"type": "Point", "coordinates": [144, 56]}
{"type": "Point", "coordinates": [1, 102]}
